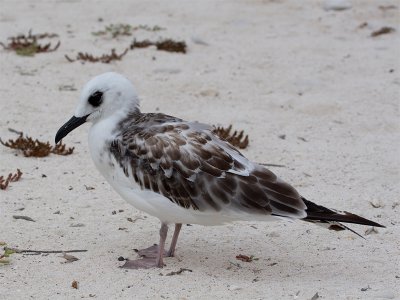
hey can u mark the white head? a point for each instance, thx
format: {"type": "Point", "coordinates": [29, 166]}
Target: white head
{"type": "Point", "coordinates": [103, 96]}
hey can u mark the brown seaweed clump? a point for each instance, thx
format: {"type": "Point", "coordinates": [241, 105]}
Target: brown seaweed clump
{"type": "Point", "coordinates": [28, 45]}
{"type": "Point", "coordinates": [36, 148]}
{"type": "Point", "coordinates": [117, 30]}
{"type": "Point", "coordinates": [168, 45]}
{"type": "Point", "coordinates": [237, 139]}
{"type": "Point", "coordinates": [4, 182]}
{"type": "Point", "coordinates": [105, 58]}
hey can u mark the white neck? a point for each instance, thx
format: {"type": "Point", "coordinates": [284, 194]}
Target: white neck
{"type": "Point", "coordinates": [101, 133]}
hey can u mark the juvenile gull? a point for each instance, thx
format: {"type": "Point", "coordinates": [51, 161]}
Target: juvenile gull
{"type": "Point", "coordinates": [181, 172]}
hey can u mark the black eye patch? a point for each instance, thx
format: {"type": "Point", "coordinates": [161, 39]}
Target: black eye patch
{"type": "Point", "coordinates": [96, 98]}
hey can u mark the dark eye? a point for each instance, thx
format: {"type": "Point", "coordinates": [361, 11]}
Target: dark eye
{"type": "Point", "coordinates": [96, 98]}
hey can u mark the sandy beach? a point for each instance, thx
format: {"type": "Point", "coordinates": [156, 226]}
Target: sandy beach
{"type": "Point", "coordinates": [315, 88]}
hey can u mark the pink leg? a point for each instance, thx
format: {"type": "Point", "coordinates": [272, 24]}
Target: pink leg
{"type": "Point", "coordinates": [171, 251]}
{"type": "Point", "coordinates": [153, 250]}
{"type": "Point", "coordinates": [151, 260]}
{"type": "Point", "coordinates": [163, 237]}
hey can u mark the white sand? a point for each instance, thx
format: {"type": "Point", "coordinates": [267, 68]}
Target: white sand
{"type": "Point", "coordinates": [277, 67]}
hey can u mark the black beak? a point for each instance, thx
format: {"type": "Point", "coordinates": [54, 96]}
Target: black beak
{"type": "Point", "coordinates": [69, 126]}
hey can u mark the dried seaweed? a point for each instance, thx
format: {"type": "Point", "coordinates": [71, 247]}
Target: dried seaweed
{"type": "Point", "coordinates": [28, 45]}
{"type": "Point", "coordinates": [105, 58]}
{"type": "Point", "coordinates": [28, 146]}
{"type": "Point", "coordinates": [383, 30]}
{"type": "Point", "coordinates": [246, 258]}
{"type": "Point", "coordinates": [4, 257]}
{"type": "Point", "coordinates": [116, 30]}
{"type": "Point", "coordinates": [168, 45]}
{"type": "Point", "coordinates": [142, 44]}
{"type": "Point", "coordinates": [61, 149]}
{"type": "Point", "coordinates": [171, 46]}
{"type": "Point", "coordinates": [237, 139]}
{"type": "Point", "coordinates": [36, 148]}
{"type": "Point", "coordinates": [180, 271]}
{"type": "Point", "coordinates": [4, 182]}
{"type": "Point", "coordinates": [74, 284]}
{"type": "Point", "coordinates": [149, 28]}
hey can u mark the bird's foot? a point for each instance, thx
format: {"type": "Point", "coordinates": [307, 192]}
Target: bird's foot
{"type": "Point", "coordinates": [151, 252]}
{"type": "Point", "coordinates": [143, 263]}
{"type": "Point", "coordinates": [170, 253]}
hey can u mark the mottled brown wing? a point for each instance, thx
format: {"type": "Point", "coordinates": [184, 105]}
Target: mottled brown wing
{"type": "Point", "coordinates": [193, 168]}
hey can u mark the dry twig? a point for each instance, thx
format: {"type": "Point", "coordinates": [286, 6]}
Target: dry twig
{"type": "Point", "coordinates": [16, 250]}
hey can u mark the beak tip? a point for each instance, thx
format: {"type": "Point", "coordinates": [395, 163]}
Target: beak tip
{"type": "Point", "coordinates": [68, 127]}
{"type": "Point", "coordinates": [59, 136]}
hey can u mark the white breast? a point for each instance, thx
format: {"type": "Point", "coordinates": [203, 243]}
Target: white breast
{"type": "Point", "coordinates": [152, 203]}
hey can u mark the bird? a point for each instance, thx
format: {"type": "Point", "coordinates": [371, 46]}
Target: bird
{"type": "Point", "coordinates": [182, 172]}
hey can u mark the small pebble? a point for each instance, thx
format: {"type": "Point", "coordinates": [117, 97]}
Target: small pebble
{"type": "Point", "coordinates": [199, 41]}
{"type": "Point", "coordinates": [233, 288]}
{"type": "Point", "coordinates": [167, 70]}
{"type": "Point", "coordinates": [209, 93]}
{"type": "Point", "coordinates": [365, 289]}
{"type": "Point", "coordinates": [337, 4]}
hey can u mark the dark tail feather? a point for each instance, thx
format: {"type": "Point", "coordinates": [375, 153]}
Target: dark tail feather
{"type": "Point", "coordinates": [331, 219]}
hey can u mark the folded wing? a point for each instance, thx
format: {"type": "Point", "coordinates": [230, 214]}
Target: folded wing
{"type": "Point", "coordinates": [197, 170]}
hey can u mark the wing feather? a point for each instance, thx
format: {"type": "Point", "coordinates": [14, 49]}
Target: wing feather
{"type": "Point", "coordinates": [195, 169]}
